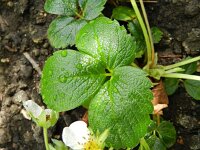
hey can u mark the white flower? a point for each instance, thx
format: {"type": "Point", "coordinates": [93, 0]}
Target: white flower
{"type": "Point", "coordinates": [33, 108]}
{"type": "Point", "coordinates": [42, 117]}
{"type": "Point", "coordinates": [78, 137]}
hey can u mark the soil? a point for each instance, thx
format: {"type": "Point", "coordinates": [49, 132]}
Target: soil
{"type": "Point", "coordinates": [23, 26]}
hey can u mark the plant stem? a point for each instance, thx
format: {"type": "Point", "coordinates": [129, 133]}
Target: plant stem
{"type": "Point", "coordinates": [148, 30]}
{"type": "Point", "coordinates": [158, 119]}
{"type": "Point", "coordinates": [174, 70]}
{"type": "Point", "coordinates": [182, 76]}
{"type": "Point", "coordinates": [184, 62]}
{"type": "Point", "coordinates": [144, 30]}
{"type": "Point", "coordinates": [46, 138]}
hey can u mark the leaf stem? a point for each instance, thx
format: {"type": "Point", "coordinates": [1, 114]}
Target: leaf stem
{"type": "Point", "coordinates": [108, 74]}
{"type": "Point", "coordinates": [181, 75]}
{"type": "Point", "coordinates": [184, 62]}
{"type": "Point", "coordinates": [148, 30]}
{"type": "Point", "coordinates": [46, 138]}
{"type": "Point", "coordinates": [144, 30]}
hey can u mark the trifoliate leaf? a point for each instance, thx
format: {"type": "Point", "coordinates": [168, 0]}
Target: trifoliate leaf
{"type": "Point", "coordinates": [69, 78]}
{"type": "Point", "coordinates": [123, 13]}
{"type": "Point", "coordinates": [61, 7]}
{"type": "Point", "coordinates": [91, 8]}
{"type": "Point", "coordinates": [192, 87]}
{"type": "Point", "coordinates": [123, 106]}
{"type": "Point", "coordinates": [155, 143]}
{"type": "Point", "coordinates": [190, 68]}
{"type": "Point", "coordinates": [106, 40]}
{"type": "Point", "coordinates": [171, 85]}
{"type": "Point", "coordinates": [136, 32]}
{"type": "Point", "coordinates": [167, 133]}
{"type": "Point", "coordinates": [156, 34]}
{"type": "Point", "coordinates": [62, 31]}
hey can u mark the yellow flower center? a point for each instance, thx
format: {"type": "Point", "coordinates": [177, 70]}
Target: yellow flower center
{"type": "Point", "coordinates": [91, 145]}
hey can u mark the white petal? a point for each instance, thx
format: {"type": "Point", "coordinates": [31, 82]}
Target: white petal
{"type": "Point", "coordinates": [48, 111]}
{"type": "Point", "coordinates": [76, 135]}
{"type": "Point", "coordinates": [33, 108]}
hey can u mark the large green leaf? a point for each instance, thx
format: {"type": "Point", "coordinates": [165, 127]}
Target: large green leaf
{"type": "Point", "coordinates": [193, 88]}
{"type": "Point", "coordinates": [123, 105]}
{"type": "Point", "coordinates": [91, 8]}
{"type": "Point", "coordinates": [69, 78]}
{"type": "Point", "coordinates": [61, 7]}
{"type": "Point", "coordinates": [167, 133]}
{"type": "Point", "coordinates": [105, 40]}
{"type": "Point", "coordinates": [62, 31]}
{"type": "Point", "coordinates": [123, 13]}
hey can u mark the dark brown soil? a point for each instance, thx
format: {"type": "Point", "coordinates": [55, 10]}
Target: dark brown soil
{"type": "Point", "coordinates": [23, 26]}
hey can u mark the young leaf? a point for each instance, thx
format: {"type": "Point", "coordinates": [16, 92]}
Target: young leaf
{"type": "Point", "coordinates": [69, 78]}
{"type": "Point", "coordinates": [123, 13]}
{"type": "Point", "coordinates": [61, 7]}
{"type": "Point", "coordinates": [155, 143]}
{"type": "Point", "coordinates": [105, 40]}
{"type": "Point", "coordinates": [123, 106]}
{"type": "Point", "coordinates": [91, 8]}
{"type": "Point", "coordinates": [171, 85]}
{"type": "Point", "coordinates": [192, 87]}
{"type": "Point", "coordinates": [157, 34]}
{"type": "Point", "coordinates": [62, 31]}
{"type": "Point", "coordinates": [135, 30]}
{"type": "Point", "coordinates": [167, 133]}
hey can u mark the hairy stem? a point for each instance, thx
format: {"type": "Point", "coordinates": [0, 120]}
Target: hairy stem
{"type": "Point", "coordinates": [182, 76]}
{"type": "Point", "coordinates": [148, 30]}
{"type": "Point", "coordinates": [184, 62]}
{"type": "Point", "coordinates": [46, 138]}
{"type": "Point", "coordinates": [144, 30]}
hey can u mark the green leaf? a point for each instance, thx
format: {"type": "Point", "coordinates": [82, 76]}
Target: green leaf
{"type": "Point", "coordinates": [171, 85]}
{"type": "Point", "coordinates": [123, 13]}
{"type": "Point", "coordinates": [107, 41]}
{"type": "Point", "coordinates": [156, 34]}
{"type": "Point", "coordinates": [192, 87]}
{"type": "Point", "coordinates": [123, 105]}
{"type": "Point", "coordinates": [136, 32]}
{"type": "Point", "coordinates": [70, 78]}
{"type": "Point", "coordinates": [61, 7]}
{"type": "Point", "coordinates": [167, 133]}
{"type": "Point", "coordinates": [190, 68]}
{"type": "Point", "coordinates": [152, 126]}
{"type": "Point", "coordinates": [155, 143]}
{"type": "Point", "coordinates": [62, 31]}
{"type": "Point", "coordinates": [91, 8]}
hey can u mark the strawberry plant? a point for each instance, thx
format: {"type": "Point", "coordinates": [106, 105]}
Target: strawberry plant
{"type": "Point", "coordinates": [103, 74]}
